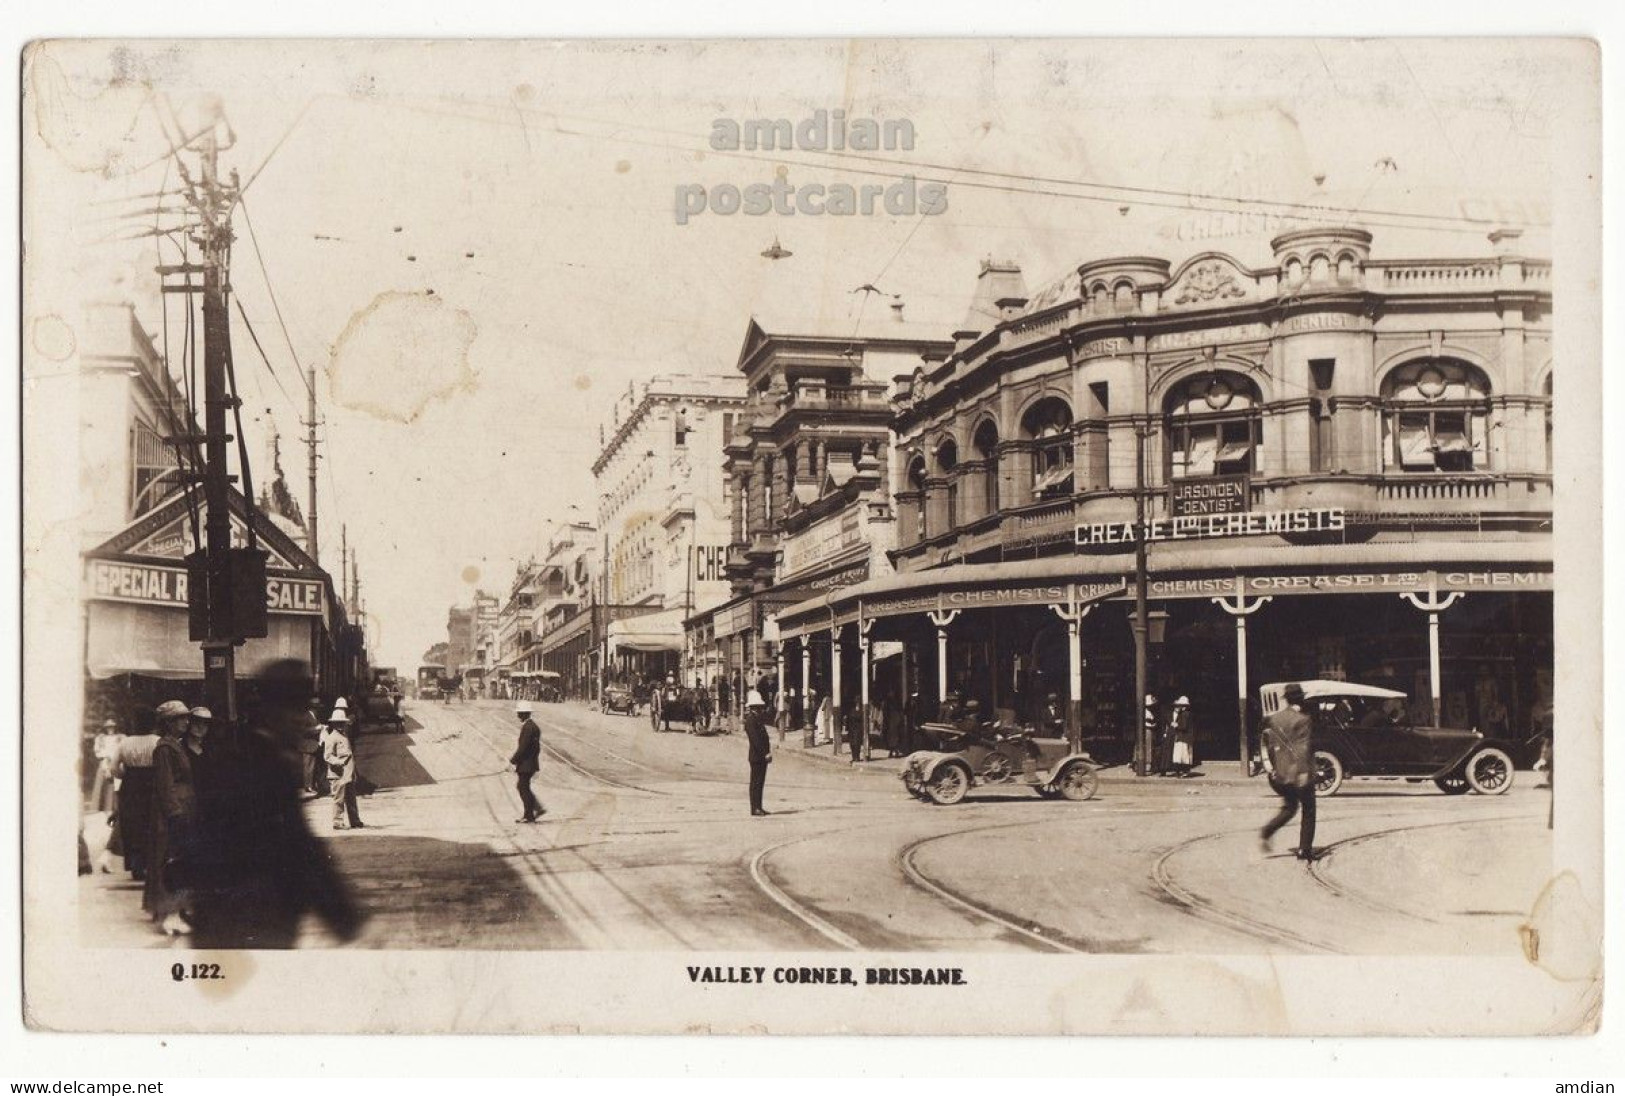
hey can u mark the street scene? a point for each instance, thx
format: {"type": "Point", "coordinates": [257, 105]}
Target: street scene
{"type": "Point", "coordinates": [642, 847]}
{"type": "Point", "coordinates": [541, 500]}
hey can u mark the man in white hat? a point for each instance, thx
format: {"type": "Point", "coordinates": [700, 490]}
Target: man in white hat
{"type": "Point", "coordinates": [761, 749]}
{"type": "Point", "coordinates": [340, 757]}
{"type": "Point", "coordinates": [527, 761]}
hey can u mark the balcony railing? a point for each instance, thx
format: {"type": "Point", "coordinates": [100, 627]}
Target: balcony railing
{"type": "Point", "coordinates": [1425, 487]}
{"type": "Point", "coordinates": [814, 394]}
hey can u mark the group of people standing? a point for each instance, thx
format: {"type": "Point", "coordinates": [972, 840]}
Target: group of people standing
{"type": "Point", "coordinates": [329, 761]}
{"type": "Point", "coordinates": [1172, 738]}
{"type": "Point", "coordinates": [208, 819]}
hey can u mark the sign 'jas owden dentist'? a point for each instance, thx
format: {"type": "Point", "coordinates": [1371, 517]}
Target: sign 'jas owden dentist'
{"type": "Point", "coordinates": [1252, 523]}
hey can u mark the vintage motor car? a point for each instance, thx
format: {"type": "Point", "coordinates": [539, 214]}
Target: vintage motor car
{"type": "Point", "coordinates": [994, 756]}
{"type": "Point", "coordinates": [1366, 731]}
{"type": "Point", "coordinates": [618, 698]}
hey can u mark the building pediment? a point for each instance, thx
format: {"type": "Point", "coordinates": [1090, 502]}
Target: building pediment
{"type": "Point", "coordinates": [166, 533]}
{"type": "Point", "coordinates": [1209, 280]}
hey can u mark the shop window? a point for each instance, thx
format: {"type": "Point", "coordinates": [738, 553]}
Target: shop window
{"type": "Point", "coordinates": [1049, 425]}
{"type": "Point", "coordinates": [1212, 426]}
{"type": "Point", "coordinates": [986, 444]}
{"type": "Point", "coordinates": [1435, 418]}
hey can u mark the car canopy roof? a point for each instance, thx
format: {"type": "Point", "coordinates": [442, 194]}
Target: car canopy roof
{"type": "Point", "coordinates": [1273, 694]}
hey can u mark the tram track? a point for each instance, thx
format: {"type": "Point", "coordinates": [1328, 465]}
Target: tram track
{"type": "Point", "coordinates": [1035, 936]}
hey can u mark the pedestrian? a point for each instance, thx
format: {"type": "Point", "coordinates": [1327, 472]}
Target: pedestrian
{"type": "Point", "coordinates": [761, 750]}
{"type": "Point", "coordinates": [1052, 717]}
{"type": "Point", "coordinates": [781, 718]}
{"type": "Point", "coordinates": [267, 871]}
{"type": "Point", "coordinates": [1184, 737]}
{"type": "Point", "coordinates": [174, 804]}
{"type": "Point", "coordinates": [1287, 740]}
{"type": "Point", "coordinates": [313, 768]}
{"type": "Point", "coordinates": [527, 762]}
{"type": "Point", "coordinates": [724, 696]}
{"type": "Point", "coordinates": [131, 827]}
{"type": "Point", "coordinates": [339, 753]}
{"type": "Point", "coordinates": [104, 748]}
{"type": "Point", "coordinates": [1150, 734]}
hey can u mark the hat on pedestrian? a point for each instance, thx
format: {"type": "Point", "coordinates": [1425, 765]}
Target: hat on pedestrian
{"type": "Point", "coordinates": [753, 699]}
{"type": "Point", "coordinates": [1150, 699]}
{"type": "Point", "coordinates": [172, 709]}
{"type": "Point", "coordinates": [1183, 702]}
{"type": "Point", "coordinates": [342, 705]}
{"type": "Point", "coordinates": [202, 713]}
{"type": "Point", "coordinates": [1293, 693]}
{"type": "Point", "coordinates": [524, 707]}
{"type": "Point", "coordinates": [339, 715]}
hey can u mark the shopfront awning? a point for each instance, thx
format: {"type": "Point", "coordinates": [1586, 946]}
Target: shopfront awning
{"type": "Point", "coordinates": [153, 641]}
{"type": "Point", "coordinates": [1184, 572]}
{"type": "Point", "coordinates": [651, 632]}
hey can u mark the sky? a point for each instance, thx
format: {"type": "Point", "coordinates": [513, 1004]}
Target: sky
{"type": "Point", "coordinates": [532, 188]}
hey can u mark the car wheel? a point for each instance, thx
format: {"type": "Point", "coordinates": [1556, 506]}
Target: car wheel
{"type": "Point", "coordinates": [948, 785]}
{"type": "Point", "coordinates": [1328, 773]}
{"type": "Point", "coordinates": [1489, 771]}
{"type": "Point", "coordinates": [1078, 782]}
{"type": "Point", "coordinates": [1453, 783]}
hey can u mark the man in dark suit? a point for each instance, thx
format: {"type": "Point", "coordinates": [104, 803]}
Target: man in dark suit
{"type": "Point", "coordinates": [527, 760]}
{"type": "Point", "coordinates": [761, 750]}
{"type": "Point", "coordinates": [1291, 756]}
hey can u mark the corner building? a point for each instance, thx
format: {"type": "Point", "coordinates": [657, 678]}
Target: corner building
{"type": "Point", "coordinates": [1345, 464]}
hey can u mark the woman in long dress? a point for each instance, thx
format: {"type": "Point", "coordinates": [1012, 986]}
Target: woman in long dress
{"type": "Point", "coordinates": [174, 805]}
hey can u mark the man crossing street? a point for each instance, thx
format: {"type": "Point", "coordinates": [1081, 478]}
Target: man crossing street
{"type": "Point", "coordinates": [1287, 740]}
{"type": "Point", "coordinates": [527, 761]}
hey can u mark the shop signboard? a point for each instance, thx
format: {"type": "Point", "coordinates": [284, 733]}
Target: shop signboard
{"type": "Point", "coordinates": [1250, 523]}
{"type": "Point", "coordinates": [1202, 495]}
{"type": "Point", "coordinates": [112, 580]}
{"type": "Point", "coordinates": [732, 619]}
{"type": "Point", "coordinates": [822, 542]}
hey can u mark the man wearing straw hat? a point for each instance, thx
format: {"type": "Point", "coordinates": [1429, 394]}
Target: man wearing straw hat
{"type": "Point", "coordinates": [340, 757]}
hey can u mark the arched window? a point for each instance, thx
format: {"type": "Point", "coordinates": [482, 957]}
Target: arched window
{"type": "Point", "coordinates": [1049, 424]}
{"type": "Point", "coordinates": [916, 484]}
{"type": "Point", "coordinates": [1435, 418]}
{"type": "Point", "coordinates": [1211, 423]}
{"type": "Point", "coordinates": [947, 461]}
{"type": "Point", "coordinates": [986, 444]}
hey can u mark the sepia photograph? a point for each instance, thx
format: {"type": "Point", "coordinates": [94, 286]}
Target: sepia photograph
{"type": "Point", "coordinates": [812, 536]}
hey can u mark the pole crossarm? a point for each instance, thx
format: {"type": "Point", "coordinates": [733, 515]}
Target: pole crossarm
{"type": "Point", "coordinates": [944, 617]}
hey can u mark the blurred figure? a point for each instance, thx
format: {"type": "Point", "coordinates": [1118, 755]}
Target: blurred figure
{"type": "Point", "coordinates": [269, 869]}
{"type": "Point", "coordinates": [174, 805]}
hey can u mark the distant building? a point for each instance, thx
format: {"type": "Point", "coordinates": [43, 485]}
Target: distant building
{"type": "Point", "coordinates": [808, 480]}
{"type": "Point", "coordinates": [663, 514]}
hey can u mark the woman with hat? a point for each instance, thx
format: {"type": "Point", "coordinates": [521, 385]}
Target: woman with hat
{"type": "Point", "coordinates": [1184, 737]}
{"type": "Point", "coordinates": [340, 757]}
{"type": "Point", "coordinates": [174, 805]}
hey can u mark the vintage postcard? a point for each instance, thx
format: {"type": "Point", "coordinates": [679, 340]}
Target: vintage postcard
{"type": "Point", "coordinates": [809, 537]}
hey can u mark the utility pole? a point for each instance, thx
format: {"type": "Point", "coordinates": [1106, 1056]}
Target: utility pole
{"type": "Point", "coordinates": [213, 204]}
{"type": "Point", "coordinates": [310, 445]}
{"type": "Point", "coordinates": [1141, 621]}
{"type": "Point", "coordinates": [344, 567]}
